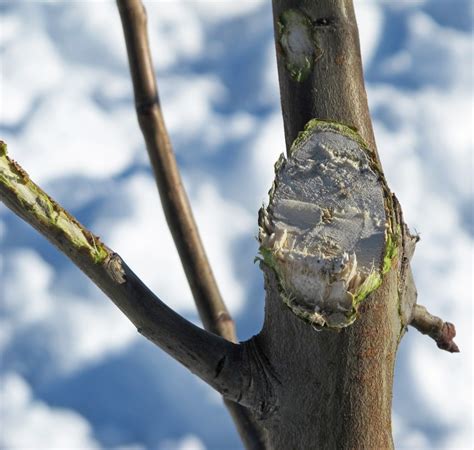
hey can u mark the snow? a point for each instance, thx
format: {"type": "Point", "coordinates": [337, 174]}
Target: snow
{"type": "Point", "coordinates": [30, 423]}
{"type": "Point", "coordinates": [75, 373]}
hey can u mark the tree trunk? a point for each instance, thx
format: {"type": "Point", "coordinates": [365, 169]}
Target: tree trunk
{"type": "Point", "coordinates": [330, 388]}
{"type": "Point", "coordinates": [334, 389]}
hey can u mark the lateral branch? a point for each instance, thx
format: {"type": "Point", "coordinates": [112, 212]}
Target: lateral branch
{"type": "Point", "coordinates": [437, 329]}
{"type": "Point", "coordinates": [213, 358]}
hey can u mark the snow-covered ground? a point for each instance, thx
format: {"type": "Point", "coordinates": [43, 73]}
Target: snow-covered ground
{"type": "Point", "coordinates": [74, 372]}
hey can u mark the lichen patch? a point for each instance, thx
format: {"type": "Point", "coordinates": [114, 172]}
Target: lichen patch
{"type": "Point", "coordinates": [325, 228]}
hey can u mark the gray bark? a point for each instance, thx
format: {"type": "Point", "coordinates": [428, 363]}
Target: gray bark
{"type": "Point", "coordinates": [334, 89]}
{"type": "Point", "coordinates": [330, 389]}
{"type": "Point", "coordinates": [305, 381]}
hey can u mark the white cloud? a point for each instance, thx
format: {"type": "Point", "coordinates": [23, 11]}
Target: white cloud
{"type": "Point", "coordinates": [189, 442]}
{"type": "Point", "coordinates": [264, 151]}
{"type": "Point", "coordinates": [31, 424]}
{"type": "Point", "coordinates": [84, 33]}
{"type": "Point", "coordinates": [190, 112]}
{"type": "Point", "coordinates": [11, 26]}
{"type": "Point", "coordinates": [406, 437]}
{"type": "Point", "coordinates": [188, 103]}
{"type": "Point", "coordinates": [221, 223]}
{"type": "Point", "coordinates": [23, 302]}
{"type": "Point", "coordinates": [403, 4]}
{"type": "Point", "coordinates": [428, 128]}
{"type": "Point", "coordinates": [73, 331]}
{"type": "Point", "coordinates": [175, 33]}
{"type": "Point", "coordinates": [430, 52]}
{"type": "Point", "coordinates": [142, 238]}
{"type": "Point", "coordinates": [19, 88]}
{"type": "Point", "coordinates": [369, 21]}
{"type": "Point", "coordinates": [69, 135]}
{"type": "Point", "coordinates": [219, 10]}
{"type": "Point", "coordinates": [425, 143]}
{"type": "Point", "coordinates": [270, 89]}
{"type": "Point", "coordinates": [82, 123]}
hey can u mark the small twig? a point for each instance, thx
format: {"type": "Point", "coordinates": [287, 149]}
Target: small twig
{"type": "Point", "coordinates": [442, 332]}
{"type": "Point", "coordinates": [202, 352]}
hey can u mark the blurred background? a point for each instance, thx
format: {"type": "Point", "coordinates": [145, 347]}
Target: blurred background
{"type": "Point", "coordinates": [74, 372]}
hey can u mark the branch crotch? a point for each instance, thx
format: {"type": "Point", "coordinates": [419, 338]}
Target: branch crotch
{"type": "Point", "coordinates": [259, 384]}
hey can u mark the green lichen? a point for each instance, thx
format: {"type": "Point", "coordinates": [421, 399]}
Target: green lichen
{"type": "Point", "coordinates": [374, 279]}
{"type": "Point", "coordinates": [391, 252]}
{"type": "Point", "coordinates": [315, 319]}
{"type": "Point", "coordinates": [268, 259]}
{"type": "Point", "coordinates": [297, 43]}
{"type": "Point", "coordinates": [370, 284]}
{"type": "Point", "coordinates": [280, 162]}
{"type": "Point", "coordinates": [44, 211]}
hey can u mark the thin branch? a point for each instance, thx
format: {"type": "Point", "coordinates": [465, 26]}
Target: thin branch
{"type": "Point", "coordinates": [212, 310]}
{"type": "Point", "coordinates": [442, 332]}
{"type": "Point", "coordinates": [214, 359]}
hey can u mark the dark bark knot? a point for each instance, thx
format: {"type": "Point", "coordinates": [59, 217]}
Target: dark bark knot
{"type": "Point", "coordinates": [325, 22]}
{"type": "Point", "coordinates": [146, 107]}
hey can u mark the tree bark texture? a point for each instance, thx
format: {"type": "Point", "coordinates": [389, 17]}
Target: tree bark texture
{"type": "Point", "coordinates": [334, 89]}
{"type": "Point", "coordinates": [331, 389]}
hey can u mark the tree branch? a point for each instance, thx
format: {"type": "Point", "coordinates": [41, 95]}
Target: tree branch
{"type": "Point", "coordinates": [442, 332]}
{"type": "Point", "coordinates": [319, 66]}
{"type": "Point", "coordinates": [214, 359]}
{"type": "Point", "coordinates": [212, 310]}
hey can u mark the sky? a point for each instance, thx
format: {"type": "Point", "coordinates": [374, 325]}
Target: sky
{"type": "Point", "coordinates": [74, 373]}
